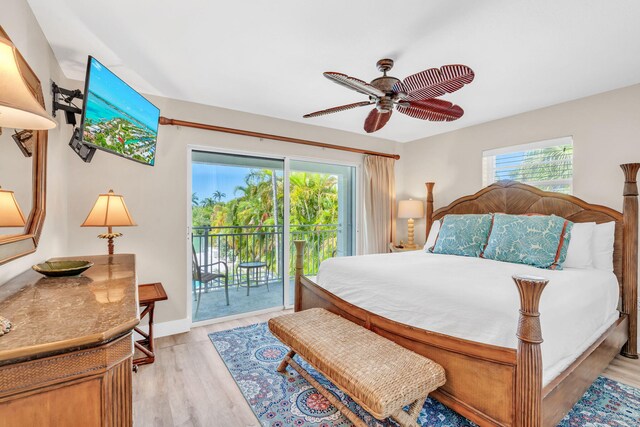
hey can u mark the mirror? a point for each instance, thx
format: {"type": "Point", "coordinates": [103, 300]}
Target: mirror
{"type": "Point", "coordinates": [16, 174]}
{"type": "Point", "coordinates": [26, 177]}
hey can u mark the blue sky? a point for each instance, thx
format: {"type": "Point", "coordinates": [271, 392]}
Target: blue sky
{"type": "Point", "coordinates": [109, 87]}
{"type": "Point", "coordinates": [208, 178]}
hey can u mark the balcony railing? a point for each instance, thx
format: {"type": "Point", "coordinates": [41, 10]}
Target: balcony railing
{"type": "Point", "coordinates": [250, 243]}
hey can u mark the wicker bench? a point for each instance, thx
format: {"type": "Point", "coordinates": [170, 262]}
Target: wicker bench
{"type": "Point", "coordinates": [379, 375]}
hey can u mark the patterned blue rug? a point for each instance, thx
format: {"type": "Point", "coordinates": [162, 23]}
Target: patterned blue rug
{"type": "Point", "coordinates": [252, 354]}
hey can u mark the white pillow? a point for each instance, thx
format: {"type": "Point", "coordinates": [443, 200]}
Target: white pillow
{"type": "Point", "coordinates": [579, 252]}
{"type": "Point", "coordinates": [433, 235]}
{"type": "Point", "coordinates": [602, 245]}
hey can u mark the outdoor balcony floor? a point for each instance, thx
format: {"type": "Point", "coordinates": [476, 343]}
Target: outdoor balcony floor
{"type": "Point", "coordinates": [213, 303]}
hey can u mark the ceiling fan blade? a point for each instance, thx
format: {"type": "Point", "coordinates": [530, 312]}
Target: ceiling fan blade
{"type": "Point", "coordinates": [337, 109]}
{"type": "Point", "coordinates": [354, 84]}
{"type": "Point", "coordinates": [434, 110]}
{"type": "Point", "coordinates": [376, 120]}
{"type": "Point", "coordinates": [435, 82]}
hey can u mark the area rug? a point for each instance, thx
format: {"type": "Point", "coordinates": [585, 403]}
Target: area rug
{"type": "Point", "coordinates": [252, 354]}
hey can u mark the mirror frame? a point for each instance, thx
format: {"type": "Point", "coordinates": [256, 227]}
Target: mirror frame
{"type": "Point", "coordinates": [17, 246]}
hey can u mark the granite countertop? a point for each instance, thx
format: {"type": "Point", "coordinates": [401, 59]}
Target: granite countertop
{"type": "Point", "coordinates": [55, 315]}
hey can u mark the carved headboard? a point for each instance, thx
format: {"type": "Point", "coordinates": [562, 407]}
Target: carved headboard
{"type": "Point", "coordinates": [511, 197]}
{"type": "Point", "coordinates": [515, 198]}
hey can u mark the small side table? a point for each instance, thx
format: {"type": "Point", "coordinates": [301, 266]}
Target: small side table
{"type": "Point", "coordinates": [148, 293]}
{"type": "Point", "coordinates": [255, 266]}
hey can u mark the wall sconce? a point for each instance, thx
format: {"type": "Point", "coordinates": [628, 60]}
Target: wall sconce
{"type": "Point", "coordinates": [19, 108]}
{"type": "Point", "coordinates": [24, 140]}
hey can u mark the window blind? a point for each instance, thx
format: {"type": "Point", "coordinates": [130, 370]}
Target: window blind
{"type": "Point", "coordinates": [547, 165]}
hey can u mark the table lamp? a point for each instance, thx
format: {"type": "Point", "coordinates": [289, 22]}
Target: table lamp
{"type": "Point", "coordinates": [19, 108]}
{"type": "Point", "coordinates": [410, 209]}
{"type": "Point", "coordinates": [109, 211]}
{"type": "Point", "coordinates": [10, 216]}
{"type": "Point", "coordinates": [10, 212]}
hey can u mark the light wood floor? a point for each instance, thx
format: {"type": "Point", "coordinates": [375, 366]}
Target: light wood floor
{"type": "Point", "coordinates": [189, 385]}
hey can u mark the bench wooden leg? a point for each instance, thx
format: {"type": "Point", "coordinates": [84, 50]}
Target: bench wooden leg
{"type": "Point", "coordinates": [405, 419]}
{"type": "Point", "coordinates": [282, 367]}
{"type": "Point", "coordinates": [410, 418]}
{"type": "Point", "coordinates": [357, 422]}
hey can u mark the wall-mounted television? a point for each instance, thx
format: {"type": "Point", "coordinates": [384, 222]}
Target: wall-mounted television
{"type": "Point", "coordinates": [116, 118]}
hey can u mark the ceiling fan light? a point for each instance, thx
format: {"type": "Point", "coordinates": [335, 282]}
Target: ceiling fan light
{"type": "Point", "coordinates": [415, 96]}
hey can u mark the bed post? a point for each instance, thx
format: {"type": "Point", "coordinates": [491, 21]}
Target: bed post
{"type": "Point", "coordinates": [529, 356]}
{"type": "Point", "coordinates": [630, 257]}
{"type": "Point", "coordinates": [299, 271]}
{"type": "Point", "coordinates": [429, 186]}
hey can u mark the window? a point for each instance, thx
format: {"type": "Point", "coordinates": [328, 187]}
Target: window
{"type": "Point", "coordinates": [547, 165]}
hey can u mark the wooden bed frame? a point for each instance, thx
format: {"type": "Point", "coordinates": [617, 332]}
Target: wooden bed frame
{"type": "Point", "coordinates": [501, 386]}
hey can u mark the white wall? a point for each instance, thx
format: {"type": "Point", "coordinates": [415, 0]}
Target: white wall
{"type": "Point", "coordinates": [605, 130]}
{"type": "Point", "coordinates": [18, 21]}
{"type": "Point", "coordinates": [157, 196]}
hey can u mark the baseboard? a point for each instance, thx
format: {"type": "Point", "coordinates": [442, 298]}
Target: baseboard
{"type": "Point", "coordinates": [236, 316]}
{"type": "Point", "coordinates": [171, 327]}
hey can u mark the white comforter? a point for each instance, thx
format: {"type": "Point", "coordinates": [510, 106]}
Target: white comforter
{"type": "Point", "coordinates": [476, 299]}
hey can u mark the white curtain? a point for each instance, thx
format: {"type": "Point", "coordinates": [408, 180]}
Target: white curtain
{"type": "Point", "coordinates": [379, 203]}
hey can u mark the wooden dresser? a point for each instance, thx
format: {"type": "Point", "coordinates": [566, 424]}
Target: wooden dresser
{"type": "Point", "coordinates": [68, 360]}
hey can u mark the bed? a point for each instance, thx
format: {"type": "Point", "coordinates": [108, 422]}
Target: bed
{"type": "Point", "coordinates": [494, 356]}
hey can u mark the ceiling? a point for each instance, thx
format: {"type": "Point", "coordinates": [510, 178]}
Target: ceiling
{"type": "Point", "coordinates": [267, 57]}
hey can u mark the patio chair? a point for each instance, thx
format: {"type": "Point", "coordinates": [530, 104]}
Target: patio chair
{"type": "Point", "coordinates": [205, 277]}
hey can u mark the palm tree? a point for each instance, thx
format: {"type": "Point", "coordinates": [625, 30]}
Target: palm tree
{"type": "Point", "coordinates": [544, 166]}
{"type": "Point", "coordinates": [258, 203]}
{"type": "Point", "coordinates": [208, 202]}
{"type": "Point", "coordinates": [254, 202]}
{"type": "Point", "coordinates": [218, 196]}
{"type": "Point", "coordinates": [314, 198]}
{"type": "Point", "coordinates": [195, 200]}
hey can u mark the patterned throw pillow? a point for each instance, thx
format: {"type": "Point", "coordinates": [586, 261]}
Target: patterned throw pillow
{"type": "Point", "coordinates": [464, 235]}
{"type": "Point", "coordinates": [541, 241]}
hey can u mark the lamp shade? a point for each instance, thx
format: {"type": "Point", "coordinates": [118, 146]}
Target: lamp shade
{"type": "Point", "coordinates": [109, 211]}
{"type": "Point", "coordinates": [410, 209]}
{"type": "Point", "coordinates": [19, 107]}
{"type": "Point", "coordinates": [10, 213]}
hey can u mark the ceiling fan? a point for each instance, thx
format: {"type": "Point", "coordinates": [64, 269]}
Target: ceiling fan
{"type": "Point", "coordinates": [415, 96]}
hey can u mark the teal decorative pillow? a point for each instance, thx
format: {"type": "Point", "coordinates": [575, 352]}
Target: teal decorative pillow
{"type": "Point", "coordinates": [541, 240]}
{"type": "Point", "coordinates": [464, 235]}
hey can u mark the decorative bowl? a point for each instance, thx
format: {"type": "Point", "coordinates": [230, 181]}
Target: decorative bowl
{"type": "Point", "coordinates": [62, 268]}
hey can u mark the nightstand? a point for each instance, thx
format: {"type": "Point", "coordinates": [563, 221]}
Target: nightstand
{"type": "Point", "coordinates": [148, 295]}
{"type": "Point", "coordinates": [394, 248]}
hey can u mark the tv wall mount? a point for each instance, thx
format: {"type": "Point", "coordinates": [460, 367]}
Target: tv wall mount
{"type": "Point", "coordinates": [83, 151]}
{"type": "Point", "coordinates": [63, 100]}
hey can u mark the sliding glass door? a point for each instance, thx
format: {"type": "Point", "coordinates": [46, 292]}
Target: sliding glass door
{"type": "Point", "coordinates": [237, 234]}
{"type": "Point", "coordinates": [245, 217]}
{"type": "Point", "coordinates": [322, 213]}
